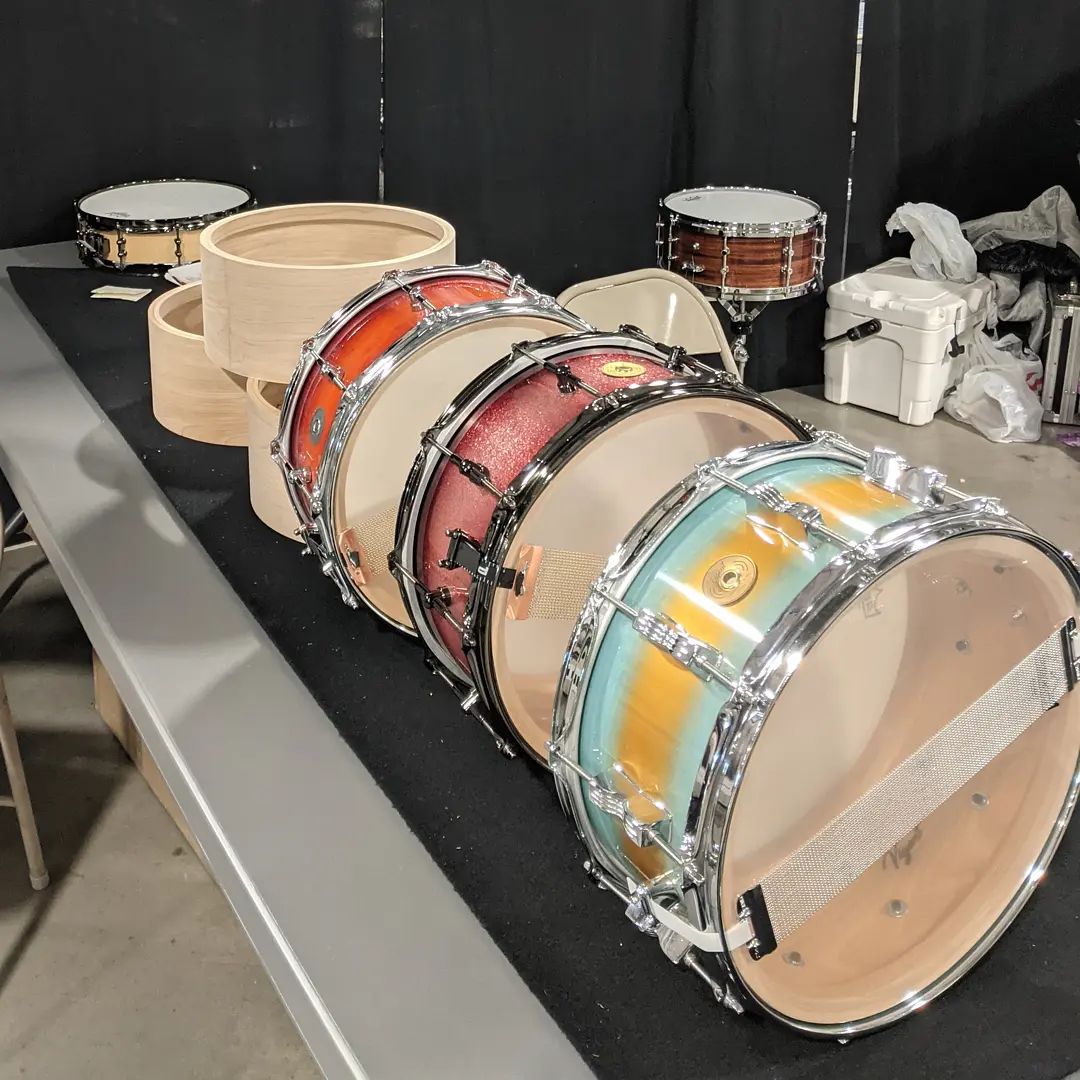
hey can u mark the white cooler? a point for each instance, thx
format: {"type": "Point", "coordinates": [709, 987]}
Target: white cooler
{"type": "Point", "coordinates": [905, 369]}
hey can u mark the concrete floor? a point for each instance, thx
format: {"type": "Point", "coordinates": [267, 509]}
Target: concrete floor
{"type": "Point", "coordinates": [131, 964]}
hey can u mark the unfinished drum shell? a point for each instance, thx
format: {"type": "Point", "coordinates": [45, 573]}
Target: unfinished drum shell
{"type": "Point", "coordinates": [190, 396]}
{"type": "Point", "coordinates": [272, 277]}
{"type": "Point", "coordinates": [269, 499]}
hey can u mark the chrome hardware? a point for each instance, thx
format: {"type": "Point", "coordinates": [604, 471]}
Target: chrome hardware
{"type": "Point", "coordinates": [300, 477]}
{"type": "Point", "coordinates": [469, 701]}
{"type": "Point", "coordinates": [653, 833]}
{"type": "Point", "coordinates": [808, 516]}
{"type": "Point", "coordinates": [1070, 644]}
{"type": "Point", "coordinates": [698, 657]}
{"type": "Point", "coordinates": [121, 247]}
{"type": "Point", "coordinates": [517, 284]}
{"type": "Point", "coordinates": [418, 300]}
{"type": "Point", "coordinates": [922, 485]}
{"type": "Point", "coordinates": [178, 247]}
{"type": "Point", "coordinates": [668, 636]}
{"type": "Point", "coordinates": [660, 240]}
{"type": "Point", "coordinates": [789, 258]}
{"type": "Point", "coordinates": [566, 380]}
{"type": "Point", "coordinates": [725, 251]}
{"type": "Point", "coordinates": [464, 553]}
{"type": "Point", "coordinates": [473, 471]}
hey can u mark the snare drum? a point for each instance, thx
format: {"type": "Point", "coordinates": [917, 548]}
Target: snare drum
{"type": "Point", "coordinates": [526, 483]}
{"type": "Point", "coordinates": [743, 243]}
{"type": "Point", "coordinates": [148, 226]}
{"type": "Point", "coordinates": [817, 718]}
{"type": "Point", "coordinates": [379, 371]}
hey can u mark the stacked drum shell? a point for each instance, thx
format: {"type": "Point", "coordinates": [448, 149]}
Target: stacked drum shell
{"type": "Point", "coordinates": [272, 278]}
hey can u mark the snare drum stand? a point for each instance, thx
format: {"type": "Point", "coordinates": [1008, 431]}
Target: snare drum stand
{"type": "Point", "coordinates": [742, 315]}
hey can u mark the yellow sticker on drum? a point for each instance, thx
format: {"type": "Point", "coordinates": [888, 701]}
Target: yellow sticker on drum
{"type": "Point", "coordinates": [623, 369]}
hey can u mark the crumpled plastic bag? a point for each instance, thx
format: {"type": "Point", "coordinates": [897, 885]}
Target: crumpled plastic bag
{"type": "Point", "coordinates": [996, 389]}
{"type": "Point", "coordinates": [1050, 220]}
{"type": "Point", "coordinates": [939, 249]}
{"type": "Point", "coordinates": [1009, 303]}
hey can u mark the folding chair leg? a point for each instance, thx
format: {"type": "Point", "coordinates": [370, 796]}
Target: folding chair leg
{"type": "Point", "coordinates": [20, 794]}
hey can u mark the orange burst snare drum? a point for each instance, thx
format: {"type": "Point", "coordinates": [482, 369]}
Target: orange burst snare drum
{"type": "Point", "coordinates": [743, 243]}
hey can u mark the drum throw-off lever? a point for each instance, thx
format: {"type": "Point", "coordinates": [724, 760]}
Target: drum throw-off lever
{"type": "Point", "coordinates": [855, 333]}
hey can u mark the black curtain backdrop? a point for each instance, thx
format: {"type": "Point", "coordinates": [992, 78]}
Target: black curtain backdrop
{"type": "Point", "coordinates": [544, 132]}
{"type": "Point", "coordinates": [972, 106]}
{"type": "Point", "coordinates": [282, 98]}
{"type": "Point", "coordinates": [547, 133]}
{"type": "Point", "coordinates": [771, 93]}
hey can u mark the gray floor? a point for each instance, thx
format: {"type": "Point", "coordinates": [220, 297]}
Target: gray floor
{"type": "Point", "coordinates": [131, 964]}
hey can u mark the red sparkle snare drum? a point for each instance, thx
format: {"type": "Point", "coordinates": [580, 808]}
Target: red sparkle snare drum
{"type": "Point", "coordinates": [520, 491]}
{"type": "Point", "coordinates": [368, 383]}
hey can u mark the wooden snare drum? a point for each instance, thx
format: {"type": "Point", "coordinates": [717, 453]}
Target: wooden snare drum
{"type": "Point", "coordinates": [743, 243]}
{"type": "Point", "coordinates": [148, 226]}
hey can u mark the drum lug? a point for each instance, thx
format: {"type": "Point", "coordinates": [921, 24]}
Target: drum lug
{"type": "Point", "coordinates": [465, 553]}
{"type": "Point", "coordinates": [473, 471]}
{"type": "Point", "coordinates": [887, 469]}
{"type": "Point", "coordinates": [698, 657]}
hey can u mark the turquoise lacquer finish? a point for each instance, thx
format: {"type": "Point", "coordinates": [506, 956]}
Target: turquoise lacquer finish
{"type": "Point", "coordinates": [672, 578]}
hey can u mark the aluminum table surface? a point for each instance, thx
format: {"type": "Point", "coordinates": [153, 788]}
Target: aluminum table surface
{"type": "Point", "coordinates": [383, 967]}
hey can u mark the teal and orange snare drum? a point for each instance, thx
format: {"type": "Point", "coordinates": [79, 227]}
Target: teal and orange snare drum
{"type": "Point", "coordinates": [817, 727]}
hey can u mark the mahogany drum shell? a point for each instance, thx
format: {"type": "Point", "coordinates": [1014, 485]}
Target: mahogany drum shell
{"type": "Point", "coordinates": [753, 262]}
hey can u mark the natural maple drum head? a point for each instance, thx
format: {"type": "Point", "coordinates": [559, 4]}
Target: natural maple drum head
{"type": "Point", "coordinates": [900, 663]}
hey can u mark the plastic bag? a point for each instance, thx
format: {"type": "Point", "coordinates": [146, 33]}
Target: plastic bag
{"type": "Point", "coordinates": [996, 390]}
{"type": "Point", "coordinates": [939, 249]}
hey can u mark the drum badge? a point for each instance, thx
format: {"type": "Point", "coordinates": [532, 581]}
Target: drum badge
{"type": "Point", "coordinates": [729, 579]}
{"type": "Point", "coordinates": [623, 369]}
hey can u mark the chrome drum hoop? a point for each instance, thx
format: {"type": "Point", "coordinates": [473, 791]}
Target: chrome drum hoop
{"type": "Point", "coordinates": [603, 414]}
{"type": "Point", "coordinates": [766, 675]}
{"type": "Point", "coordinates": [760, 230]}
{"type": "Point", "coordinates": [311, 354]}
{"type": "Point", "coordinates": [449, 424]}
{"type": "Point", "coordinates": [359, 394]}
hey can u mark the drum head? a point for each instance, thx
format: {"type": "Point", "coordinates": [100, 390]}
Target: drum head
{"type": "Point", "coordinates": [585, 512]}
{"type": "Point", "coordinates": [742, 206]}
{"type": "Point", "coordinates": [381, 448]}
{"type": "Point", "coordinates": [164, 200]}
{"type": "Point", "coordinates": [902, 661]}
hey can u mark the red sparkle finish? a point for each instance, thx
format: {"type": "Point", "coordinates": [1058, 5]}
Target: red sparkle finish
{"type": "Point", "coordinates": [505, 435]}
{"type": "Point", "coordinates": [361, 341]}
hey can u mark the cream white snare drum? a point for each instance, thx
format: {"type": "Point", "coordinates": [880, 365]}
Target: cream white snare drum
{"type": "Point", "coordinates": [148, 226]}
{"type": "Point", "coordinates": [372, 379]}
{"type": "Point", "coordinates": [743, 243]}
{"type": "Point", "coordinates": [819, 719]}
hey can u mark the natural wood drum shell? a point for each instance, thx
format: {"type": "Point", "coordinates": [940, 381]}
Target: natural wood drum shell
{"type": "Point", "coordinates": [271, 278]}
{"type": "Point", "coordinates": [754, 262]}
{"type": "Point", "coordinates": [190, 396]}
{"type": "Point", "coordinates": [269, 499]}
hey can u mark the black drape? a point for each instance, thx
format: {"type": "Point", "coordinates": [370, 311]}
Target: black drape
{"type": "Point", "coordinates": [771, 97]}
{"type": "Point", "coordinates": [972, 106]}
{"type": "Point", "coordinates": [545, 132]}
{"type": "Point", "coordinates": [281, 98]}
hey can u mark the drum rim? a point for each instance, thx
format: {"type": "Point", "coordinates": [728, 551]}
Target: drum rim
{"type": "Point", "coordinates": [356, 398]}
{"type": "Point", "coordinates": [149, 226]}
{"type": "Point", "coordinates": [446, 237]}
{"type": "Point", "coordinates": [311, 353]}
{"type": "Point", "coordinates": [840, 583]}
{"type": "Point", "coordinates": [534, 480]}
{"type": "Point", "coordinates": [744, 229]}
